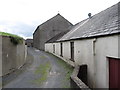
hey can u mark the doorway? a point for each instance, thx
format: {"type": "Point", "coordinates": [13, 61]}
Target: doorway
{"type": "Point", "coordinates": [53, 48]}
{"type": "Point", "coordinates": [83, 74]}
{"type": "Point", "coordinates": [114, 73]}
{"type": "Point", "coordinates": [72, 50]}
{"type": "Point", "coordinates": [61, 46]}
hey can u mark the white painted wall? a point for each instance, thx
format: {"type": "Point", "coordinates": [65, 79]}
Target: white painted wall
{"type": "Point", "coordinates": [98, 75]}
{"type": "Point", "coordinates": [49, 47]}
{"type": "Point", "coordinates": [57, 49]}
{"type": "Point", "coordinates": [66, 50]}
{"type": "Point", "coordinates": [119, 46]}
{"type": "Point", "coordinates": [94, 53]}
{"type": "Point", "coordinates": [105, 47]}
{"type": "Point", "coordinates": [83, 54]}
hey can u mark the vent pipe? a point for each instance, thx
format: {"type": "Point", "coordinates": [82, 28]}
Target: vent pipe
{"type": "Point", "coordinates": [90, 15]}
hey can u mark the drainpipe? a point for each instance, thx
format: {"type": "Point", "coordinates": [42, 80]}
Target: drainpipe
{"type": "Point", "coordinates": [94, 41]}
{"type": "Point", "coordinates": [94, 61]}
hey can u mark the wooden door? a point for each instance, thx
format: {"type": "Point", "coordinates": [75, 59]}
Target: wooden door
{"type": "Point", "coordinates": [114, 73]}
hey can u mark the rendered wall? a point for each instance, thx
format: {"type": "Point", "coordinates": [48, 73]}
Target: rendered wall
{"type": "Point", "coordinates": [105, 47]}
{"type": "Point", "coordinates": [49, 47]}
{"type": "Point", "coordinates": [21, 54]}
{"type": "Point", "coordinates": [0, 55]}
{"type": "Point", "coordinates": [119, 46]}
{"type": "Point", "coordinates": [66, 50]}
{"type": "Point", "coordinates": [13, 56]}
{"type": "Point", "coordinates": [57, 48]}
{"type": "Point", "coordinates": [83, 54]}
{"type": "Point", "coordinates": [94, 53]}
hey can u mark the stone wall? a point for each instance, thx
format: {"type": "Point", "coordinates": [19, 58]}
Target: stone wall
{"type": "Point", "coordinates": [0, 55]}
{"type": "Point", "coordinates": [76, 82]}
{"type": "Point", "coordinates": [13, 56]}
{"type": "Point", "coordinates": [48, 30]}
{"type": "Point", "coordinates": [36, 39]}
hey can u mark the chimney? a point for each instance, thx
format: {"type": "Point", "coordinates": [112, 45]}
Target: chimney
{"type": "Point", "coordinates": [90, 15]}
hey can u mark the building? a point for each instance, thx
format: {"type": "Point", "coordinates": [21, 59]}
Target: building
{"type": "Point", "coordinates": [49, 29]}
{"type": "Point", "coordinates": [95, 42]}
{"type": "Point", "coordinates": [29, 42]}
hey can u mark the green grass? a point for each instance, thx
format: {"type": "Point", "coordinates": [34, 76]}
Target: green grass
{"type": "Point", "coordinates": [8, 34]}
{"type": "Point", "coordinates": [42, 57]}
{"type": "Point", "coordinates": [65, 66]}
{"type": "Point", "coordinates": [43, 70]}
{"type": "Point", "coordinates": [14, 38]}
{"type": "Point", "coordinates": [0, 84]}
{"type": "Point", "coordinates": [68, 71]}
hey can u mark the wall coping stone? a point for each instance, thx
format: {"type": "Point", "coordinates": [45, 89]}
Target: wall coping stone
{"type": "Point", "coordinates": [74, 77]}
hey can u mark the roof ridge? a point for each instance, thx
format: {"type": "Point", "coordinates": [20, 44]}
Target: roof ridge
{"type": "Point", "coordinates": [51, 19]}
{"type": "Point", "coordinates": [97, 22]}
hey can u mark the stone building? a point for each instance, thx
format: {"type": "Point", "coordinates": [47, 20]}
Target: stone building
{"type": "Point", "coordinates": [95, 42]}
{"type": "Point", "coordinates": [49, 29]}
{"type": "Point", "coordinates": [29, 42]}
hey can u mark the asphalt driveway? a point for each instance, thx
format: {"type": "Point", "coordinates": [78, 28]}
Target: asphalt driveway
{"type": "Point", "coordinates": [45, 71]}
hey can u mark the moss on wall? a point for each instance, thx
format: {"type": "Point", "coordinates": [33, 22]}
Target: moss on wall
{"type": "Point", "coordinates": [14, 38]}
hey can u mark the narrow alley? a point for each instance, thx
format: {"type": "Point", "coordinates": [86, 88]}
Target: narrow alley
{"type": "Point", "coordinates": [45, 71]}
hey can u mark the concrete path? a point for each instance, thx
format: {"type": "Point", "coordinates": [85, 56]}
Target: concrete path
{"type": "Point", "coordinates": [46, 71]}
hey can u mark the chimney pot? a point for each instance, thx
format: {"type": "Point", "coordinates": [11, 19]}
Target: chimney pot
{"type": "Point", "coordinates": [90, 15]}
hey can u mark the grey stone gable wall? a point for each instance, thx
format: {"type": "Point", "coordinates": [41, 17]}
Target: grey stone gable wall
{"type": "Point", "coordinates": [53, 18]}
{"type": "Point", "coordinates": [49, 29]}
{"type": "Point", "coordinates": [36, 39]}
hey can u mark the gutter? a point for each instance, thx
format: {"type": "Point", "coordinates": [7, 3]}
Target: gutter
{"type": "Point", "coordinates": [81, 38]}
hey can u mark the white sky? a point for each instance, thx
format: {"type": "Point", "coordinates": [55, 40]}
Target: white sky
{"type": "Point", "coordinates": [21, 17]}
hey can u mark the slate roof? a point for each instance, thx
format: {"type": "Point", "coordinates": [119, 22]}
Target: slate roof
{"type": "Point", "coordinates": [29, 40]}
{"type": "Point", "coordinates": [58, 36]}
{"type": "Point", "coordinates": [106, 22]}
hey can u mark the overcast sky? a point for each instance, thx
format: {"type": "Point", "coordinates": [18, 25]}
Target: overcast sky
{"type": "Point", "coordinates": [21, 17]}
